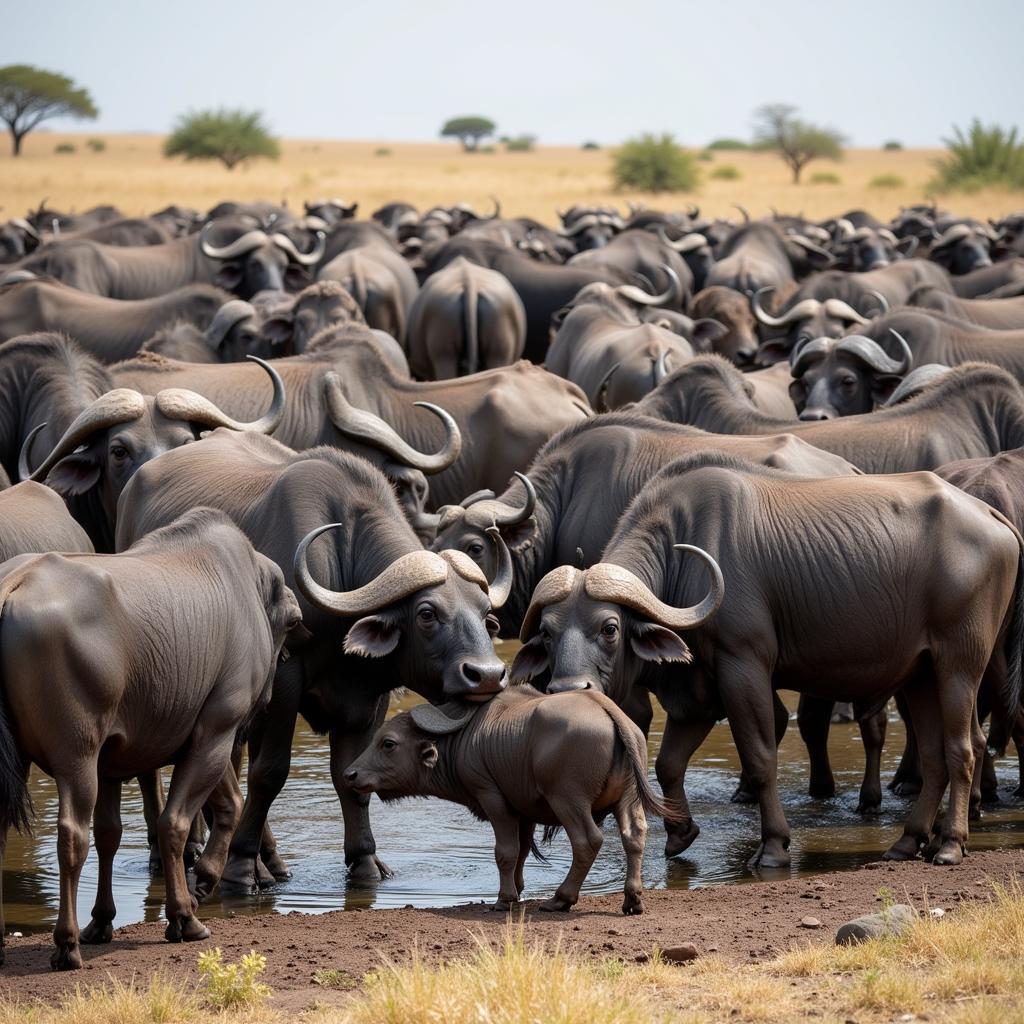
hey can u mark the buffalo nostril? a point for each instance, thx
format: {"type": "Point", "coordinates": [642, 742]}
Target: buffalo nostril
{"type": "Point", "coordinates": [811, 415]}
{"type": "Point", "coordinates": [351, 776]}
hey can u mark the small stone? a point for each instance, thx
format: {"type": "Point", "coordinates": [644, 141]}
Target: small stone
{"type": "Point", "coordinates": [890, 921]}
{"type": "Point", "coordinates": [614, 931]}
{"type": "Point", "coordinates": [712, 949]}
{"type": "Point", "coordinates": [906, 1017]}
{"type": "Point", "coordinates": [641, 958]}
{"type": "Point", "coordinates": [937, 912]}
{"type": "Point", "coordinates": [680, 954]}
{"type": "Point", "coordinates": [810, 922]}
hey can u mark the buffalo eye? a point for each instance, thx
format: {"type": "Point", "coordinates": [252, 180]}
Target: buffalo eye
{"type": "Point", "coordinates": [492, 625]}
{"type": "Point", "coordinates": [426, 615]}
{"type": "Point", "coordinates": [545, 636]}
{"type": "Point", "coordinates": [118, 452]}
{"type": "Point", "coordinates": [388, 744]}
{"type": "Point", "coordinates": [610, 631]}
{"type": "Point", "coordinates": [475, 549]}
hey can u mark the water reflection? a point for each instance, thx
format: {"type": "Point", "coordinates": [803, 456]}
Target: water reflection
{"type": "Point", "coordinates": [442, 856]}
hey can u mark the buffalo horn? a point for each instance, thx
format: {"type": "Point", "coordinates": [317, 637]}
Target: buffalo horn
{"type": "Point", "coordinates": [361, 425]}
{"type": "Point", "coordinates": [501, 586]}
{"type": "Point", "coordinates": [743, 211]}
{"type": "Point", "coordinates": [883, 302]}
{"type": "Point", "coordinates": [801, 311]}
{"type": "Point", "coordinates": [843, 311]}
{"type": "Point", "coordinates": [661, 367]}
{"type": "Point", "coordinates": [688, 243]}
{"type": "Point", "coordinates": [241, 245]}
{"type": "Point", "coordinates": [871, 353]}
{"type": "Point", "coordinates": [304, 259]}
{"type": "Point", "coordinates": [638, 295]}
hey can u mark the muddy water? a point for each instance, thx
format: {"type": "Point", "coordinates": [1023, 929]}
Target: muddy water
{"type": "Point", "coordinates": [442, 856]}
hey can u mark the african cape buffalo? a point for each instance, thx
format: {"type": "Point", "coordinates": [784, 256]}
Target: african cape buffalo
{"type": "Point", "coordinates": [34, 519]}
{"type": "Point", "coordinates": [998, 314]}
{"type": "Point", "coordinates": [116, 638]}
{"type": "Point", "coordinates": [406, 617]}
{"type": "Point", "coordinates": [910, 583]}
{"type": "Point", "coordinates": [519, 760]}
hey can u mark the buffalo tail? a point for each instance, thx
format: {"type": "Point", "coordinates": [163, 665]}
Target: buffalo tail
{"type": "Point", "coordinates": [15, 800]}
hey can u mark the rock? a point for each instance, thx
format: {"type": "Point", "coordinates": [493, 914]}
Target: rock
{"type": "Point", "coordinates": [937, 912]}
{"type": "Point", "coordinates": [890, 921]}
{"type": "Point", "coordinates": [809, 922]}
{"type": "Point", "coordinates": [680, 954]}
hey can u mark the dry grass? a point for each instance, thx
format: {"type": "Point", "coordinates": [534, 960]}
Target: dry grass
{"type": "Point", "coordinates": [132, 173]}
{"type": "Point", "coordinates": [964, 969]}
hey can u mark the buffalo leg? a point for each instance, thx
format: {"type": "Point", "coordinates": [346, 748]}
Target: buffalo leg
{"type": "Point", "coordinates": [360, 846]}
{"type": "Point", "coordinates": [270, 752]}
{"type": "Point", "coordinates": [76, 797]}
{"type": "Point", "coordinates": [633, 831]}
{"type": "Point", "coordinates": [907, 780]}
{"type": "Point", "coordinates": [814, 716]}
{"type": "Point", "coordinates": [926, 718]}
{"type": "Point", "coordinates": [507, 849]}
{"type": "Point", "coordinates": [748, 698]}
{"type": "Point", "coordinates": [680, 742]}
{"type": "Point", "coordinates": [152, 789]}
{"type": "Point", "coordinates": [225, 806]}
{"type": "Point", "coordinates": [962, 737]}
{"type": "Point", "coordinates": [106, 830]}
{"type": "Point", "coordinates": [872, 734]}
{"type": "Point", "coordinates": [526, 830]}
{"type": "Point", "coordinates": [744, 793]}
{"type": "Point", "coordinates": [573, 811]}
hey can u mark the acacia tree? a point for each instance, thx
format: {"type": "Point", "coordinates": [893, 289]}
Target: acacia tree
{"type": "Point", "coordinates": [230, 136]}
{"type": "Point", "coordinates": [30, 95]}
{"type": "Point", "coordinates": [798, 143]}
{"type": "Point", "coordinates": [470, 129]}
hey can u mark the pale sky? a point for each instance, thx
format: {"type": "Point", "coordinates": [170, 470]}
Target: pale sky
{"type": "Point", "coordinates": [566, 71]}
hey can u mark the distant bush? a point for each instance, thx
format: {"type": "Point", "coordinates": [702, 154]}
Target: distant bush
{"type": "Point", "coordinates": [64, 147]}
{"type": "Point", "coordinates": [728, 144]}
{"type": "Point", "coordinates": [230, 136]}
{"type": "Point", "coordinates": [892, 146]}
{"type": "Point", "coordinates": [96, 145]}
{"type": "Point", "coordinates": [485, 149]}
{"type": "Point", "coordinates": [727, 172]}
{"type": "Point", "coordinates": [886, 181]}
{"type": "Point", "coordinates": [984, 157]}
{"type": "Point", "coordinates": [382, 151]}
{"type": "Point", "coordinates": [825, 178]}
{"type": "Point", "coordinates": [655, 163]}
{"type": "Point", "coordinates": [706, 156]}
{"type": "Point", "coordinates": [520, 143]}
{"type": "Point", "coordinates": [589, 144]}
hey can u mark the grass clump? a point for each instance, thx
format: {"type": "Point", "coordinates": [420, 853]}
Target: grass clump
{"type": "Point", "coordinates": [728, 145]}
{"type": "Point", "coordinates": [655, 163]}
{"type": "Point", "coordinates": [892, 146]}
{"type": "Point", "coordinates": [231, 985]}
{"type": "Point", "coordinates": [64, 147]}
{"type": "Point", "coordinates": [981, 157]}
{"type": "Point", "coordinates": [825, 178]}
{"type": "Point", "coordinates": [337, 979]}
{"type": "Point", "coordinates": [96, 145]}
{"type": "Point", "coordinates": [726, 172]}
{"type": "Point", "coordinates": [382, 151]}
{"type": "Point", "coordinates": [886, 181]}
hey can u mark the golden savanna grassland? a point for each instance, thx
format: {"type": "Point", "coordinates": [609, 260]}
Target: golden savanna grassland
{"type": "Point", "coordinates": [133, 174]}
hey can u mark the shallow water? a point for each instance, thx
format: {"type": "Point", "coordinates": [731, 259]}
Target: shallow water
{"type": "Point", "coordinates": [441, 856]}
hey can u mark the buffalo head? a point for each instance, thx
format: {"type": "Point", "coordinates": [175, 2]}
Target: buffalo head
{"type": "Point", "coordinates": [964, 247]}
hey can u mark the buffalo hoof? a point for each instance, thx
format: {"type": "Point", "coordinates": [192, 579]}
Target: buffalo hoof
{"type": "Point", "coordinates": [66, 958]}
{"type": "Point", "coordinates": [632, 904]}
{"type": "Point", "coordinates": [556, 904]}
{"type": "Point", "coordinates": [97, 933]}
{"type": "Point", "coordinates": [369, 868]}
{"type": "Point", "coordinates": [950, 851]}
{"type": "Point", "coordinates": [239, 874]}
{"type": "Point", "coordinates": [824, 790]}
{"type": "Point", "coordinates": [186, 929]}
{"type": "Point", "coordinates": [681, 839]}
{"type": "Point", "coordinates": [771, 854]}
{"type": "Point", "coordinates": [264, 878]}
{"type": "Point", "coordinates": [908, 787]}
{"type": "Point", "coordinates": [742, 795]}
{"type": "Point", "coordinates": [870, 806]}
{"type": "Point", "coordinates": [503, 904]}
{"type": "Point", "coordinates": [275, 865]}
{"type": "Point", "coordinates": [156, 865]}
{"type": "Point", "coordinates": [905, 848]}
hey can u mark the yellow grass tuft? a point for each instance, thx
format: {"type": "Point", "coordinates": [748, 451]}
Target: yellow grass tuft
{"type": "Point", "coordinates": [132, 172]}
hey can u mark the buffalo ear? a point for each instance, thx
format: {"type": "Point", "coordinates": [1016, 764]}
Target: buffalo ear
{"type": "Point", "coordinates": [428, 754]}
{"type": "Point", "coordinates": [882, 387]}
{"type": "Point", "coordinates": [373, 636]}
{"type": "Point", "coordinates": [530, 661]}
{"type": "Point", "coordinates": [519, 535]}
{"type": "Point", "coordinates": [656, 643]}
{"type": "Point", "coordinates": [706, 332]}
{"type": "Point", "coordinates": [229, 276]}
{"type": "Point", "coordinates": [798, 392]}
{"type": "Point", "coordinates": [278, 330]}
{"type": "Point", "coordinates": [296, 278]}
{"type": "Point", "coordinates": [74, 475]}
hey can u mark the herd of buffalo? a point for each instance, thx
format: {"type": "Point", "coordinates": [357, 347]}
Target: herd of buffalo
{"type": "Point", "coordinates": [276, 464]}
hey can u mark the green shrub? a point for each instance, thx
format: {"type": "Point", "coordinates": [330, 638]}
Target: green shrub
{"type": "Point", "coordinates": [96, 145]}
{"type": "Point", "coordinates": [983, 157]}
{"type": "Point", "coordinates": [229, 985]}
{"type": "Point", "coordinates": [892, 146]}
{"type": "Point", "coordinates": [520, 144]}
{"type": "Point", "coordinates": [825, 178]}
{"type": "Point", "coordinates": [886, 181]}
{"type": "Point", "coordinates": [589, 144]}
{"type": "Point", "coordinates": [727, 172]}
{"type": "Point", "coordinates": [231, 136]}
{"type": "Point", "coordinates": [728, 144]}
{"type": "Point", "coordinates": [706, 156]}
{"type": "Point", "coordinates": [654, 163]}
{"type": "Point", "coordinates": [382, 151]}
{"type": "Point", "coordinates": [64, 147]}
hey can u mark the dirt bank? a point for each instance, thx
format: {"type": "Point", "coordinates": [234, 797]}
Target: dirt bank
{"type": "Point", "coordinates": [747, 922]}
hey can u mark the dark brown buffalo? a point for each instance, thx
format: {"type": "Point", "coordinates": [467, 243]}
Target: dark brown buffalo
{"type": "Point", "coordinates": [466, 318]}
{"type": "Point", "coordinates": [518, 761]}
{"type": "Point", "coordinates": [846, 588]}
{"type": "Point", "coordinates": [732, 310]}
{"type": "Point", "coordinates": [360, 644]}
{"type": "Point", "coordinates": [758, 256]}
{"type": "Point", "coordinates": [973, 410]}
{"type": "Point", "coordinates": [964, 247]}
{"type": "Point", "coordinates": [115, 637]}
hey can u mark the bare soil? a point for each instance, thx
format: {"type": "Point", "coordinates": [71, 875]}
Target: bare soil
{"type": "Point", "coordinates": [744, 922]}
